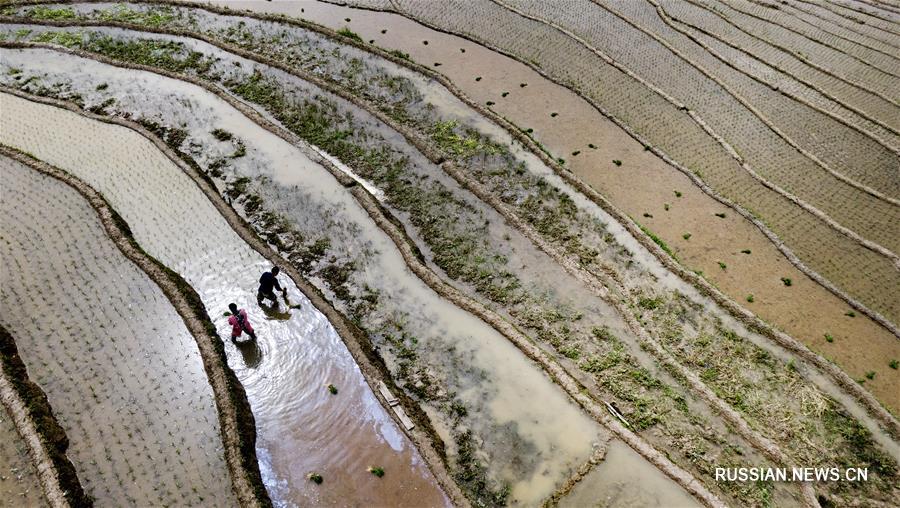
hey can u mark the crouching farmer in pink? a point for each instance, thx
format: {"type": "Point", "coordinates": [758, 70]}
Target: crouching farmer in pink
{"type": "Point", "coordinates": [239, 323]}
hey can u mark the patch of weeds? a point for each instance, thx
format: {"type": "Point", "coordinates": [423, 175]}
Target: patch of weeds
{"type": "Point", "coordinates": [650, 303]}
{"type": "Point", "coordinates": [829, 337]}
{"type": "Point", "coordinates": [678, 194]}
{"type": "Point", "coordinates": [749, 299]}
{"type": "Point", "coordinates": [399, 54]}
{"type": "Point", "coordinates": [894, 364]}
{"type": "Point", "coordinates": [850, 313]}
{"type": "Point", "coordinates": [315, 478]}
{"type": "Point", "coordinates": [350, 34]}
{"type": "Point", "coordinates": [870, 375]}
{"type": "Point", "coordinates": [377, 471]}
{"type": "Point", "coordinates": [617, 162]}
{"type": "Point", "coordinates": [102, 86]}
{"type": "Point", "coordinates": [686, 236]}
{"type": "Point", "coordinates": [239, 152]}
{"type": "Point", "coordinates": [722, 265]}
{"type": "Point", "coordinates": [41, 12]}
{"type": "Point", "coordinates": [222, 135]}
{"type": "Point", "coordinates": [332, 389]}
{"type": "Point", "coordinates": [658, 241]}
{"type": "Point", "coordinates": [787, 281]}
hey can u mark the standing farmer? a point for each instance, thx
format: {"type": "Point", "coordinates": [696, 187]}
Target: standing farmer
{"type": "Point", "coordinates": [239, 322]}
{"type": "Point", "coordinates": [267, 284]}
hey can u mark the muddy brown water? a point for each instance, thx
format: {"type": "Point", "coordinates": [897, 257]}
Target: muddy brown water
{"type": "Point", "coordinates": [643, 184]}
{"type": "Point", "coordinates": [279, 399]}
{"type": "Point", "coordinates": [19, 485]}
{"type": "Point", "coordinates": [120, 369]}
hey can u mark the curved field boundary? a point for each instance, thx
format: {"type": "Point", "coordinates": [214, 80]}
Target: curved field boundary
{"type": "Point", "coordinates": [33, 417]}
{"type": "Point", "coordinates": [840, 13]}
{"type": "Point", "coordinates": [882, 5]}
{"type": "Point", "coordinates": [633, 228]}
{"type": "Point", "coordinates": [413, 260]}
{"type": "Point", "coordinates": [673, 23]}
{"type": "Point", "coordinates": [373, 368]}
{"type": "Point", "coordinates": [670, 17]}
{"type": "Point", "coordinates": [744, 102]}
{"type": "Point", "coordinates": [822, 216]}
{"type": "Point", "coordinates": [807, 37]}
{"type": "Point", "coordinates": [794, 15]}
{"type": "Point", "coordinates": [795, 54]}
{"type": "Point", "coordinates": [235, 418]}
{"type": "Point", "coordinates": [705, 288]}
{"type": "Point", "coordinates": [739, 312]}
{"type": "Point", "coordinates": [736, 309]}
{"type": "Point", "coordinates": [852, 27]}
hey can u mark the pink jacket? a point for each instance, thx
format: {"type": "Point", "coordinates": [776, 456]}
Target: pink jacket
{"type": "Point", "coordinates": [236, 329]}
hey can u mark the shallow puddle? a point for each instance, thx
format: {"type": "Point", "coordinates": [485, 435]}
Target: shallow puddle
{"type": "Point", "coordinates": [120, 369]}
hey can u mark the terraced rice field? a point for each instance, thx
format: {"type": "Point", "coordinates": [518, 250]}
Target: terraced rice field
{"type": "Point", "coordinates": [694, 292]}
{"type": "Point", "coordinates": [130, 439]}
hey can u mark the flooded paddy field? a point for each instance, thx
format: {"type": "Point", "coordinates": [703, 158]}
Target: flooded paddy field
{"type": "Point", "coordinates": [132, 440]}
{"type": "Point", "coordinates": [327, 148]}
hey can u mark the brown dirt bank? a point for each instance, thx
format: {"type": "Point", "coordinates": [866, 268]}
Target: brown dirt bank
{"type": "Point", "coordinates": [33, 416]}
{"type": "Point", "coordinates": [643, 184]}
{"type": "Point", "coordinates": [235, 418]}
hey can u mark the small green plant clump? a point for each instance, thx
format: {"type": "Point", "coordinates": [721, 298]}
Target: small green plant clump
{"type": "Point", "coordinates": [829, 337]}
{"type": "Point", "coordinates": [617, 162]}
{"type": "Point", "coordinates": [350, 34]}
{"type": "Point", "coordinates": [850, 313]}
{"type": "Point", "coordinates": [315, 478]}
{"type": "Point", "coordinates": [666, 206]}
{"type": "Point", "coordinates": [377, 471]}
{"type": "Point", "coordinates": [870, 374]}
{"type": "Point", "coordinates": [749, 298]}
{"type": "Point", "coordinates": [686, 236]}
{"type": "Point", "coordinates": [787, 281]}
{"type": "Point", "coordinates": [221, 134]}
{"type": "Point", "coordinates": [722, 265]}
{"type": "Point", "coordinates": [504, 94]}
{"type": "Point", "coordinates": [894, 364]}
{"type": "Point", "coordinates": [332, 389]}
{"type": "Point", "coordinates": [677, 194]}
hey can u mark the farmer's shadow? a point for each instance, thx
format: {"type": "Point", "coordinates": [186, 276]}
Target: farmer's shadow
{"type": "Point", "coordinates": [277, 312]}
{"type": "Point", "coordinates": [250, 352]}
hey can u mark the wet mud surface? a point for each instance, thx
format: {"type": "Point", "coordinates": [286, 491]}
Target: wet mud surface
{"type": "Point", "coordinates": [132, 440]}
